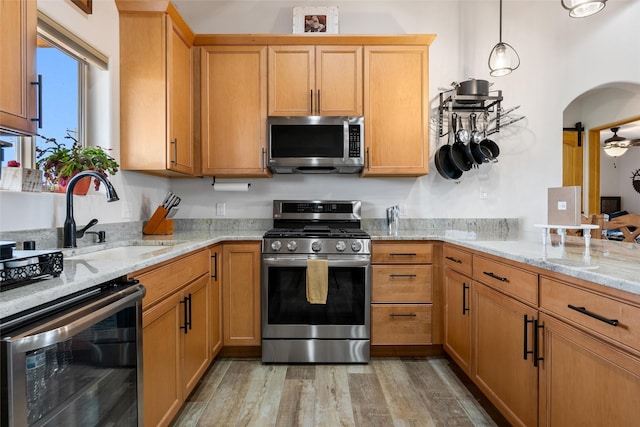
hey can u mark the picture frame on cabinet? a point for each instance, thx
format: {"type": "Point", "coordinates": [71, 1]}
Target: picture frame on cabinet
{"type": "Point", "coordinates": [85, 5]}
{"type": "Point", "coordinates": [315, 20]}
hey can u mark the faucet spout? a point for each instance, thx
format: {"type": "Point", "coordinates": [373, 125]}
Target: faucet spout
{"type": "Point", "coordinates": [69, 232]}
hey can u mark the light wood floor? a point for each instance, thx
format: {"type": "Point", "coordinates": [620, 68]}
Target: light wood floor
{"type": "Point", "coordinates": [386, 392]}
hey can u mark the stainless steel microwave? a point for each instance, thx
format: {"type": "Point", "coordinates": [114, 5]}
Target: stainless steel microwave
{"type": "Point", "coordinates": [315, 144]}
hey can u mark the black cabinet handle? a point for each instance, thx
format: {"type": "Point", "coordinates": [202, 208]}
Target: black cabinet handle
{"type": "Point", "coordinates": [536, 340]}
{"type": "Point", "coordinates": [402, 275]}
{"type": "Point", "coordinates": [264, 158]}
{"type": "Point", "coordinates": [214, 276]}
{"type": "Point", "coordinates": [186, 315]}
{"type": "Point", "coordinates": [311, 102]}
{"type": "Point", "coordinates": [465, 288]}
{"type": "Point", "coordinates": [190, 313]}
{"type": "Point", "coordinates": [39, 118]}
{"type": "Point", "coordinates": [400, 254]}
{"type": "Point", "coordinates": [457, 261]}
{"type": "Point", "coordinates": [402, 315]}
{"type": "Point", "coordinates": [612, 322]}
{"type": "Point", "coordinates": [174, 142]}
{"type": "Point", "coordinates": [495, 276]}
{"type": "Point", "coordinates": [526, 351]}
{"type": "Point", "coordinates": [318, 102]}
{"type": "Point", "coordinates": [367, 161]}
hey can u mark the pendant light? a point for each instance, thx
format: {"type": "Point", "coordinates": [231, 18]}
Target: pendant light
{"type": "Point", "coordinates": [583, 8]}
{"type": "Point", "coordinates": [503, 58]}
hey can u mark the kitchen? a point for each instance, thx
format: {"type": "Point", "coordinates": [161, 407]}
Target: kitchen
{"type": "Point", "coordinates": [541, 33]}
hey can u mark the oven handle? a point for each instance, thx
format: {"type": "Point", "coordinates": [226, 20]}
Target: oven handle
{"type": "Point", "coordinates": [339, 261]}
{"type": "Point", "coordinates": [80, 319]}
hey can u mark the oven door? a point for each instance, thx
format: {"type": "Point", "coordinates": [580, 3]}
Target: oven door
{"type": "Point", "coordinates": [287, 314]}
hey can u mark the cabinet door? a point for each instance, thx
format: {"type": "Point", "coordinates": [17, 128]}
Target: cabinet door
{"type": "Point", "coordinates": [195, 338]}
{"type": "Point", "coordinates": [162, 372]}
{"type": "Point", "coordinates": [180, 93]}
{"type": "Point", "coordinates": [457, 318]}
{"type": "Point", "coordinates": [396, 110]}
{"type": "Point", "coordinates": [18, 66]}
{"type": "Point", "coordinates": [339, 80]}
{"type": "Point", "coordinates": [234, 111]}
{"type": "Point", "coordinates": [291, 80]}
{"type": "Point", "coordinates": [215, 302]}
{"type": "Point", "coordinates": [241, 294]}
{"type": "Point", "coordinates": [499, 367]}
{"type": "Point", "coordinates": [585, 382]}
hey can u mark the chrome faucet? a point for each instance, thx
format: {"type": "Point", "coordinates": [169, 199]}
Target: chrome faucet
{"type": "Point", "coordinates": [70, 233]}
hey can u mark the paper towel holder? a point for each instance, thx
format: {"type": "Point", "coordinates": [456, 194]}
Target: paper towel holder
{"type": "Point", "coordinates": [221, 186]}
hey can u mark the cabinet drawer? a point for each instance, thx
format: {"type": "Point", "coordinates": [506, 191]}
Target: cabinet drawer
{"type": "Point", "coordinates": [506, 278]}
{"type": "Point", "coordinates": [401, 283]}
{"type": "Point", "coordinates": [458, 260]}
{"type": "Point", "coordinates": [400, 324]}
{"type": "Point", "coordinates": [556, 296]}
{"type": "Point", "coordinates": [401, 253]}
{"type": "Point", "coordinates": [166, 279]}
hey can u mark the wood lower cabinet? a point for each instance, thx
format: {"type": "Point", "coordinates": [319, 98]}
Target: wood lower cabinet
{"type": "Point", "coordinates": [241, 294]}
{"type": "Point", "coordinates": [156, 92]}
{"type": "Point", "coordinates": [315, 80]}
{"type": "Point", "coordinates": [233, 98]}
{"type": "Point", "coordinates": [586, 382]}
{"type": "Point", "coordinates": [18, 20]}
{"type": "Point", "coordinates": [215, 293]}
{"type": "Point", "coordinates": [500, 339]}
{"type": "Point", "coordinates": [457, 318]}
{"type": "Point", "coordinates": [396, 110]}
{"type": "Point", "coordinates": [402, 293]}
{"type": "Point", "coordinates": [175, 333]}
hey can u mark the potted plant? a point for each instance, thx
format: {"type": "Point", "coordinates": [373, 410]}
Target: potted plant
{"type": "Point", "coordinates": [60, 163]}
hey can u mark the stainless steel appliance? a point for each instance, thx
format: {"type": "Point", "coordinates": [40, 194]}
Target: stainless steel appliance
{"type": "Point", "coordinates": [75, 361]}
{"type": "Point", "coordinates": [293, 329]}
{"type": "Point", "coordinates": [315, 144]}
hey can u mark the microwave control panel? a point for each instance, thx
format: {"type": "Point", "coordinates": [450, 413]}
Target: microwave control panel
{"type": "Point", "coordinates": [354, 140]}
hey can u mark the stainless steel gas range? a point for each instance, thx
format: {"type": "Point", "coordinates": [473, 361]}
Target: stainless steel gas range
{"type": "Point", "coordinates": [316, 248]}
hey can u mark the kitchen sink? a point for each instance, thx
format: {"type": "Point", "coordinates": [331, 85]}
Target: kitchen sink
{"type": "Point", "coordinates": [131, 249]}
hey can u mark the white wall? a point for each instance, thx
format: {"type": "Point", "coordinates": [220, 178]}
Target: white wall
{"type": "Point", "coordinates": [554, 50]}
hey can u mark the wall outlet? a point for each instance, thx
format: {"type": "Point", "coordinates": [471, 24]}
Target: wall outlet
{"type": "Point", "coordinates": [126, 210]}
{"type": "Point", "coordinates": [220, 208]}
{"type": "Point", "coordinates": [484, 195]}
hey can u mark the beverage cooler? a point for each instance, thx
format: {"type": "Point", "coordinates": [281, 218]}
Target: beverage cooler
{"type": "Point", "coordinates": [75, 361]}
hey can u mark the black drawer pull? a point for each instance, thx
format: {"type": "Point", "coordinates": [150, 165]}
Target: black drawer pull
{"type": "Point", "coordinates": [465, 288]}
{"type": "Point", "coordinates": [403, 254]}
{"type": "Point", "coordinates": [457, 261]}
{"type": "Point", "coordinates": [612, 322]}
{"type": "Point", "coordinates": [403, 315]}
{"type": "Point", "coordinates": [402, 275]}
{"type": "Point", "coordinates": [495, 276]}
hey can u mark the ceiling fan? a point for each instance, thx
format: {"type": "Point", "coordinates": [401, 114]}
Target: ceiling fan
{"type": "Point", "coordinates": [618, 145]}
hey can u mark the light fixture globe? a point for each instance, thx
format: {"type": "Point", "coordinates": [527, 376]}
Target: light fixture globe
{"type": "Point", "coordinates": [503, 59]}
{"type": "Point", "coordinates": [616, 145]}
{"type": "Point", "coordinates": [583, 8]}
{"type": "Point", "coordinates": [615, 151]}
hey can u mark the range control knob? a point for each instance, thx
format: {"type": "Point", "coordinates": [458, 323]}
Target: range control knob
{"type": "Point", "coordinates": [341, 246]}
{"type": "Point", "coordinates": [356, 246]}
{"type": "Point", "coordinates": [292, 246]}
{"type": "Point", "coordinates": [276, 245]}
{"type": "Point", "coordinates": [316, 246]}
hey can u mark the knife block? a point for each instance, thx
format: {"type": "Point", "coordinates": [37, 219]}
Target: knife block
{"type": "Point", "coordinates": [158, 223]}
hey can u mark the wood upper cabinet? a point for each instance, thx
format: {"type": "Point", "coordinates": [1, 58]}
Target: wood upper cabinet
{"type": "Point", "coordinates": [241, 293]}
{"type": "Point", "coordinates": [156, 92]}
{"type": "Point", "coordinates": [234, 110]}
{"type": "Point", "coordinates": [18, 20]}
{"type": "Point", "coordinates": [396, 110]}
{"type": "Point", "coordinates": [315, 80]}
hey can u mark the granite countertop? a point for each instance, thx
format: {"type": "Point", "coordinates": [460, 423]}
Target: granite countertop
{"type": "Point", "coordinates": [612, 264]}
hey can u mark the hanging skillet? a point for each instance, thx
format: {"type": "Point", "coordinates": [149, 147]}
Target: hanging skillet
{"type": "Point", "coordinates": [458, 152]}
{"type": "Point", "coordinates": [442, 157]}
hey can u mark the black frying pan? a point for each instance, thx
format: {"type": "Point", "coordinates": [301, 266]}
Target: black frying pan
{"type": "Point", "coordinates": [442, 158]}
{"type": "Point", "coordinates": [458, 152]}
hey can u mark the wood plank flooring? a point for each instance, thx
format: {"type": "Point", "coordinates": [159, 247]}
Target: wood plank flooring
{"type": "Point", "coordinates": [386, 392]}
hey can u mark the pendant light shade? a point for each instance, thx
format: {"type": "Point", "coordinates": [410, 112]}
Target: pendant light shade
{"type": "Point", "coordinates": [616, 145]}
{"type": "Point", "coordinates": [503, 58]}
{"type": "Point", "coordinates": [583, 8]}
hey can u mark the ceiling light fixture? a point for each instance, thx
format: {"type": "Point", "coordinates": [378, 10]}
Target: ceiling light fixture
{"type": "Point", "coordinates": [503, 58]}
{"type": "Point", "coordinates": [616, 145]}
{"type": "Point", "coordinates": [583, 8]}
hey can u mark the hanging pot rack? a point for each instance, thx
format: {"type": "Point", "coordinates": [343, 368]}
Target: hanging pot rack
{"type": "Point", "coordinates": [452, 102]}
